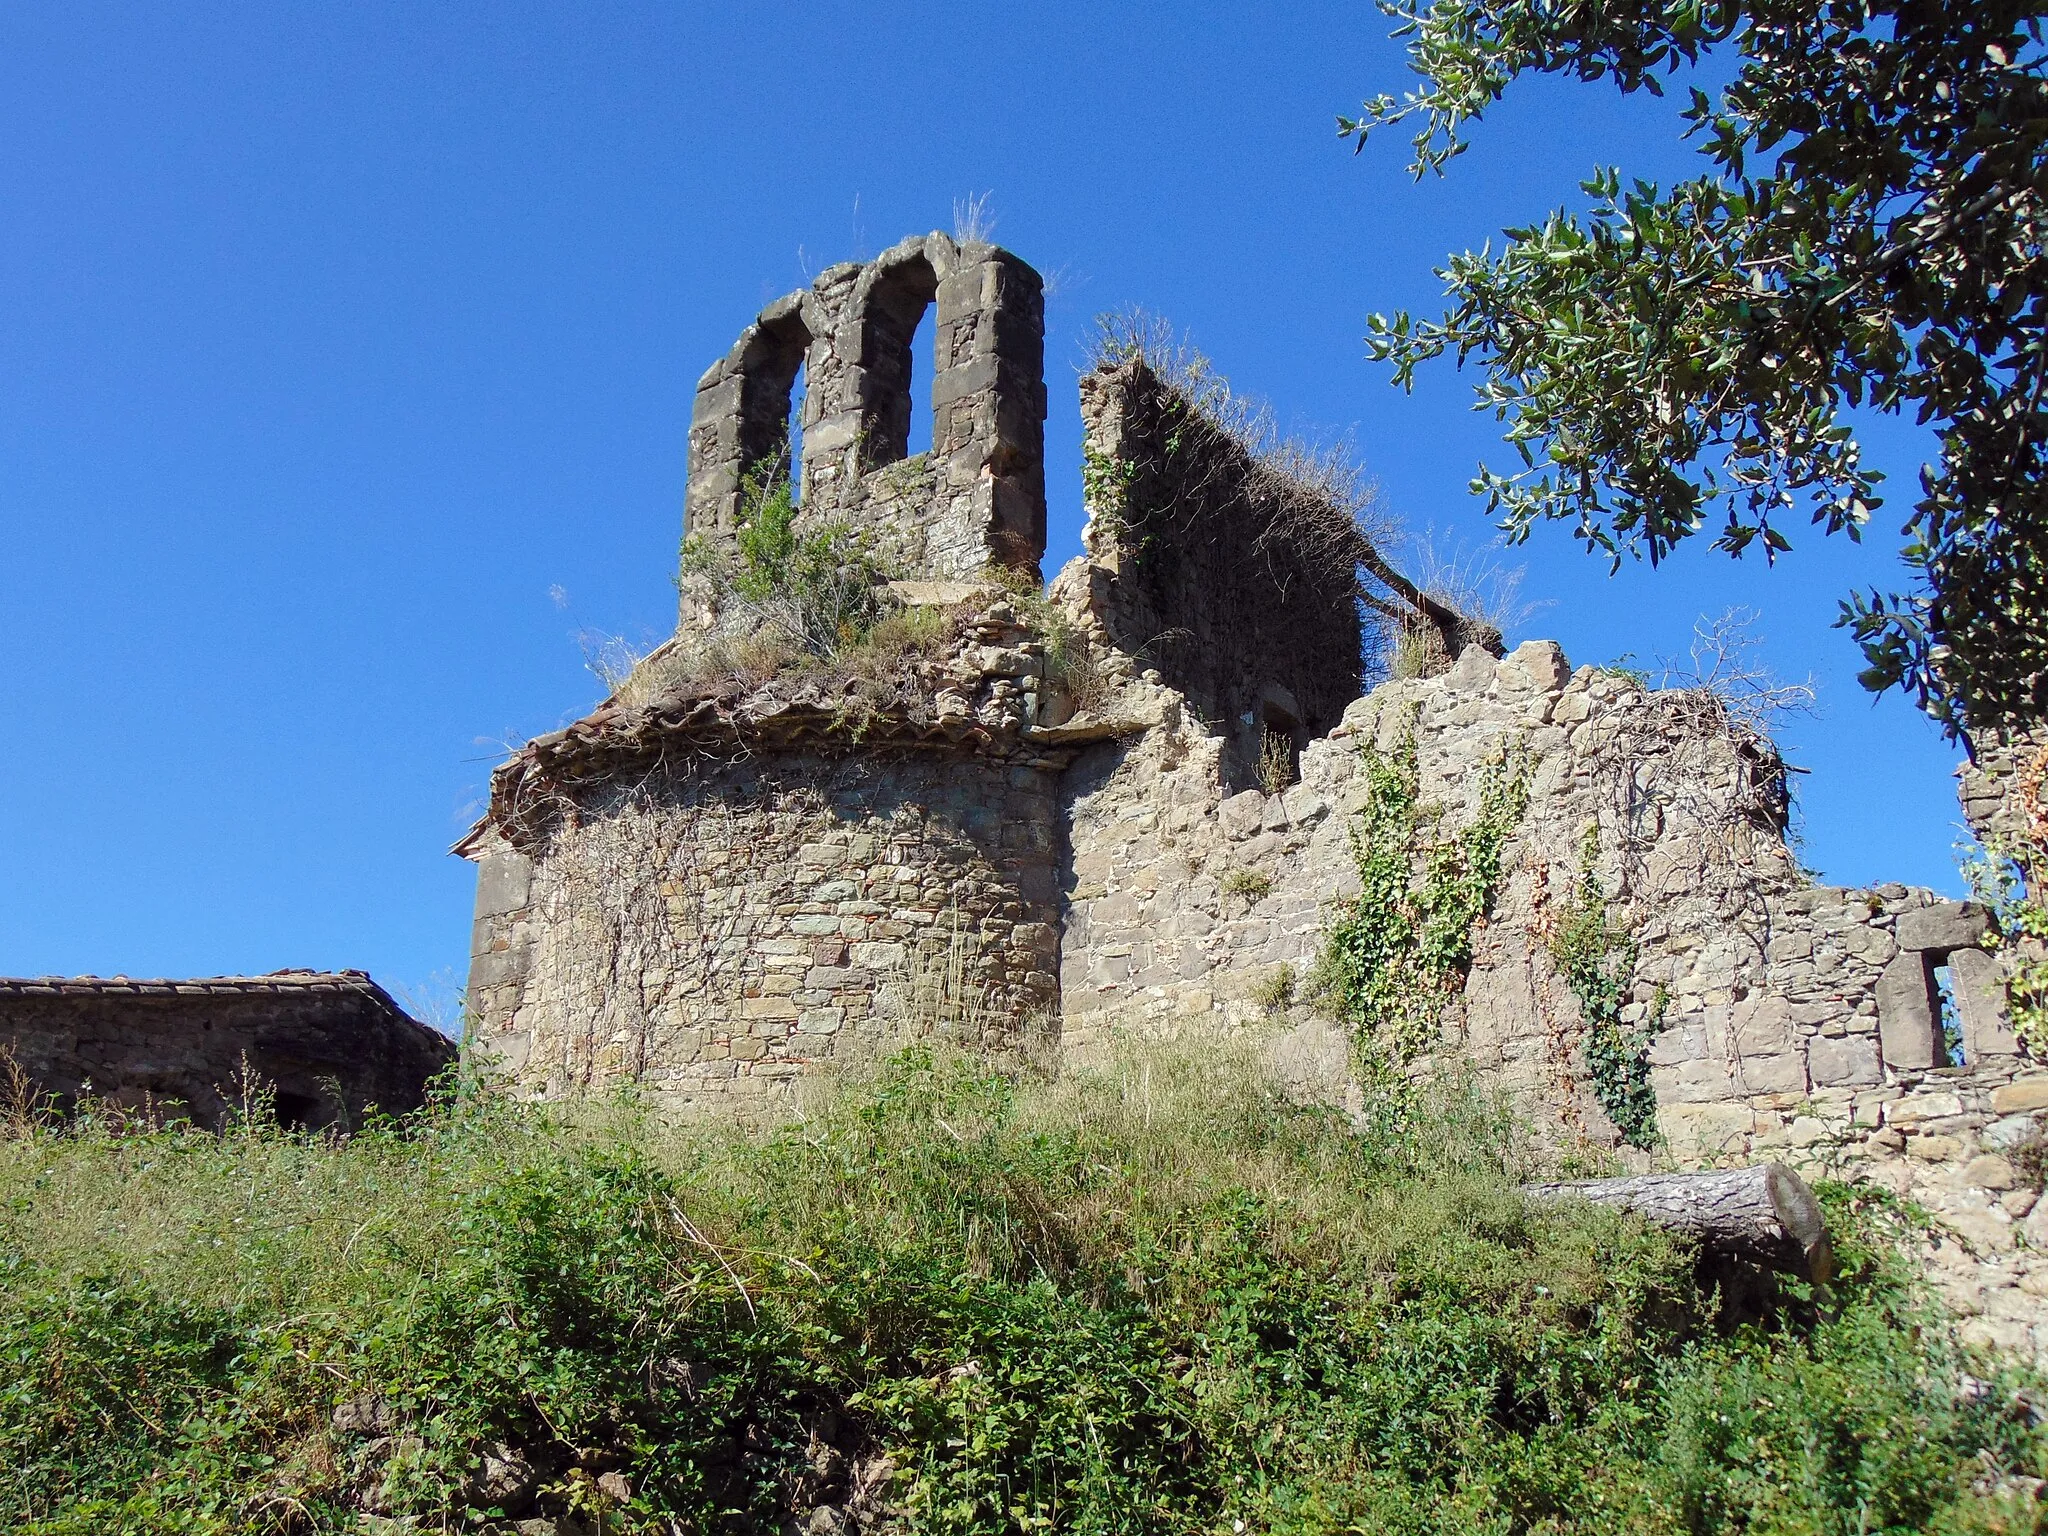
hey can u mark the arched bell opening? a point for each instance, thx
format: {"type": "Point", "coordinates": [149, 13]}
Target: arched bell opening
{"type": "Point", "coordinates": [772, 400]}
{"type": "Point", "coordinates": [895, 318]}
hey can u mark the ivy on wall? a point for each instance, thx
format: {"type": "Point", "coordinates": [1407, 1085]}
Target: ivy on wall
{"type": "Point", "coordinates": [1106, 483]}
{"type": "Point", "coordinates": [1398, 951]}
{"type": "Point", "coordinates": [1597, 959]}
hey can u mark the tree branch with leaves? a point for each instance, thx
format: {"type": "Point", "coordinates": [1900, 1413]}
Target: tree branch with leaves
{"type": "Point", "coordinates": [1869, 234]}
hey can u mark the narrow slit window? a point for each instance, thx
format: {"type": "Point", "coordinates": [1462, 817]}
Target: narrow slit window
{"type": "Point", "coordinates": [923, 371]}
{"type": "Point", "coordinates": [793, 436]}
{"type": "Point", "coordinates": [1949, 1026]}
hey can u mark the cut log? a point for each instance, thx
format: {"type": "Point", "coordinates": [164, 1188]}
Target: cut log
{"type": "Point", "coordinates": [1763, 1216]}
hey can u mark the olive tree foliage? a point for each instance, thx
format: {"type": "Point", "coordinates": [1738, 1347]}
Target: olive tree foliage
{"type": "Point", "coordinates": [1868, 233]}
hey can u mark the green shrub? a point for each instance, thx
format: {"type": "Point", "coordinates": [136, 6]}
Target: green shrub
{"type": "Point", "coordinates": [1153, 1298]}
{"type": "Point", "coordinates": [818, 590]}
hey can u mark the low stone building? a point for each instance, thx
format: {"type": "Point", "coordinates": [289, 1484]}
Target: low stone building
{"type": "Point", "coordinates": [1131, 803]}
{"type": "Point", "coordinates": [319, 1048]}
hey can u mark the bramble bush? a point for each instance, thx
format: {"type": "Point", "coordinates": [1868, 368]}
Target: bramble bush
{"type": "Point", "coordinates": [1157, 1297]}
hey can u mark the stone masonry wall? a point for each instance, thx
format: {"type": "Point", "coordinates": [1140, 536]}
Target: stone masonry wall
{"type": "Point", "coordinates": [1783, 1019]}
{"type": "Point", "coordinates": [327, 1045]}
{"type": "Point", "coordinates": [1219, 575]}
{"type": "Point", "coordinates": [1990, 786]}
{"type": "Point", "coordinates": [978, 497]}
{"type": "Point", "coordinates": [710, 933]}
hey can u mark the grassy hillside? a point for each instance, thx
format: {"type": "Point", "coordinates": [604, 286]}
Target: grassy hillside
{"type": "Point", "coordinates": [1154, 1299]}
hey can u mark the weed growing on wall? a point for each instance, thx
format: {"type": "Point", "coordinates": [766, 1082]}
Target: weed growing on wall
{"type": "Point", "coordinates": [1252, 885]}
{"type": "Point", "coordinates": [816, 590]}
{"type": "Point", "coordinates": [1279, 763]}
{"type": "Point", "coordinates": [1597, 960]}
{"type": "Point", "coordinates": [1398, 951]}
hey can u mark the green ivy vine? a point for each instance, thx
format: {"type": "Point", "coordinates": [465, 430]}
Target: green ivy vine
{"type": "Point", "coordinates": [1106, 482]}
{"type": "Point", "coordinates": [1395, 953]}
{"type": "Point", "coordinates": [1597, 959]}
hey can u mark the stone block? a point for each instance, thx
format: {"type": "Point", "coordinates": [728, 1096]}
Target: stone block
{"type": "Point", "coordinates": [1951, 925]}
{"type": "Point", "coordinates": [1673, 1047]}
{"type": "Point", "coordinates": [1702, 1131]}
{"type": "Point", "coordinates": [1869, 944]}
{"type": "Point", "coordinates": [1544, 661]}
{"type": "Point", "coordinates": [504, 883]}
{"type": "Point", "coordinates": [1809, 1130]}
{"type": "Point", "coordinates": [2009, 1132]}
{"type": "Point", "coordinates": [1796, 945]}
{"type": "Point", "coordinates": [1906, 1015]}
{"type": "Point", "coordinates": [1980, 1001]}
{"type": "Point", "coordinates": [1849, 1060]}
{"type": "Point", "coordinates": [1695, 1082]}
{"type": "Point", "coordinates": [1989, 1172]}
{"type": "Point", "coordinates": [1774, 1074]}
{"type": "Point", "coordinates": [1762, 1025]}
{"type": "Point", "coordinates": [1934, 1149]}
{"type": "Point", "coordinates": [500, 966]}
{"type": "Point", "coordinates": [1918, 1108]}
{"type": "Point", "coordinates": [1474, 670]}
{"type": "Point", "coordinates": [1572, 708]}
{"type": "Point", "coordinates": [2017, 1098]}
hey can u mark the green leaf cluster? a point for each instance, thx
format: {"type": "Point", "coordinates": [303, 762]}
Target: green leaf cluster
{"type": "Point", "coordinates": [1597, 961]}
{"type": "Point", "coordinates": [1868, 236]}
{"type": "Point", "coordinates": [768, 543]}
{"type": "Point", "coordinates": [1106, 482]}
{"type": "Point", "coordinates": [1396, 952]}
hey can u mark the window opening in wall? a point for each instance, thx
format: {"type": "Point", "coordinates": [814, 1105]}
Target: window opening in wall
{"type": "Point", "coordinates": [295, 1111]}
{"type": "Point", "coordinates": [1949, 1028]}
{"type": "Point", "coordinates": [1279, 754]}
{"type": "Point", "coordinates": [897, 331]}
{"type": "Point", "coordinates": [794, 436]}
{"type": "Point", "coordinates": [923, 370]}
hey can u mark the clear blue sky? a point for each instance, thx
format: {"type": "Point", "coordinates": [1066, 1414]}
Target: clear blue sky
{"type": "Point", "coordinates": [333, 338]}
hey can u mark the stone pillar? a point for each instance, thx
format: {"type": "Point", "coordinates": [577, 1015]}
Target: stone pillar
{"type": "Point", "coordinates": [1980, 1000]}
{"type": "Point", "coordinates": [501, 946]}
{"type": "Point", "coordinates": [1907, 1011]}
{"type": "Point", "coordinates": [740, 418]}
{"type": "Point", "coordinates": [988, 400]}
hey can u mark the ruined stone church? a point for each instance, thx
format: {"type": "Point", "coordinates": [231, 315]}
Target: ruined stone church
{"type": "Point", "coordinates": [1127, 802]}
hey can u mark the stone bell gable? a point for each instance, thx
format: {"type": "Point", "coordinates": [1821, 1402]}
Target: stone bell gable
{"type": "Point", "coordinates": [977, 498]}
